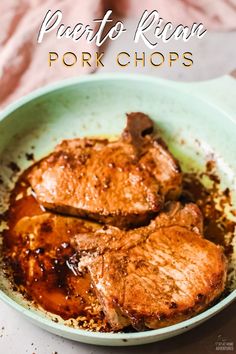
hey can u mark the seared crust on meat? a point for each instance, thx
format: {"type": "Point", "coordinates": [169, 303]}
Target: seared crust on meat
{"type": "Point", "coordinates": [123, 183]}
{"type": "Point", "coordinates": [112, 238]}
{"type": "Point", "coordinates": [156, 275]}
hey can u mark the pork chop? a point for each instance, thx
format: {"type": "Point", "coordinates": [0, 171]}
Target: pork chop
{"type": "Point", "coordinates": [123, 182]}
{"type": "Point", "coordinates": [157, 275]}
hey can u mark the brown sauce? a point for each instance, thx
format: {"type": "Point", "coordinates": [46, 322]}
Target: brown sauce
{"type": "Point", "coordinates": [39, 264]}
{"type": "Point", "coordinates": [216, 223]}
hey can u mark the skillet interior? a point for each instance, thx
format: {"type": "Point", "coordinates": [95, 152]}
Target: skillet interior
{"type": "Point", "coordinates": [194, 130]}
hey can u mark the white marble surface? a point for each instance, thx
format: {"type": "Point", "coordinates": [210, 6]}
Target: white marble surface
{"type": "Point", "coordinates": [214, 56]}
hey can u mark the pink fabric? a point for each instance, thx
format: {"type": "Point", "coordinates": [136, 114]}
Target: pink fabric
{"type": "Point", "coordinates": [23, 62]}
{"type": "Point", "coordinates": [214, 14]}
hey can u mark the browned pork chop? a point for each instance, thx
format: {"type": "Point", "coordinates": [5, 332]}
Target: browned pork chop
{"type": "Point", "coordinates": [123, 183]}
{"type": "Point", "coordinates": [157, 275]}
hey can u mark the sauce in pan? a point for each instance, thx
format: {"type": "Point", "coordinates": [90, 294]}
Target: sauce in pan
{"type": "Point", "coordinates": [37, 248]}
